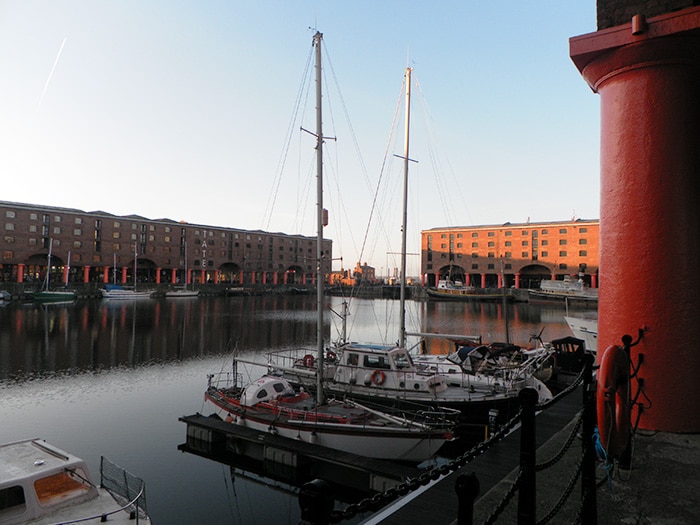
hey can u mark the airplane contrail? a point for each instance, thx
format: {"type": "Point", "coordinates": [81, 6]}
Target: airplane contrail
{"type": "Point", "coordinates": [48, 80]}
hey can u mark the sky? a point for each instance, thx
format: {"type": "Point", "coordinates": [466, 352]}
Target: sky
{"type": "Point", "coordinates": [192, 110]}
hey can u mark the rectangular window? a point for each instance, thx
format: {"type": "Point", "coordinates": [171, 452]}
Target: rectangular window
{"type": "Point", "coordinates": [562, 242]}
{"type": "Point", "coordinates": [57, 218]}
{"type": "Point", "coordinates": [583, 230]}
{"type": "Point", "coordinates": [475, 245]}
{"type": "Point", "coordinates": [509, 233]}
{"type": "Point", "coordinates": [562, 230]}
{"type": "Point", "coordinates": [583, 241]}
{"type": "Point", "coordinates": [491, 234]}
{"type": "Point", "coordinates": [509, 254]}
{"type": "Point", "coordinates": [562, 254]}
{"type": "Point", "coordinates": [545, 254]}
{"type": "Point", "coordinates": [509, 243]}
{"type": "Point", "coordinates": [475, 266]}
{"type": "Point", "coordinates": [32, 228]}
{"type": "Point", "coordinates": [33, 216]}
{"type": "Point", "coordinates": [583, 253]}
{"type": "Point", "coordinates": [545, 242]}
{"type": "Point", "coordinates": [56, 230]}
{"type": "Point", "coordinates": [10, 214]}
{"type": "Point", "coordinates": [117, 224]}
{"type": "Point", "coordinates": [492, 244]}
{"type": "Point", "coordinates": [545, 232]}
{"type": "Point", "coordinates": [76, 232]}
{"type": "Point", "coordinates": [78, 220]}
{"type": "Point", "coordinates": [524, 255]}
{"type": "Point", "coordinates": [9, 226]}
{"type": "Point", "coordinates": [475, 234]}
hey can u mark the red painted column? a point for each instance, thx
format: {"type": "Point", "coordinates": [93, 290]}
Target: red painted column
{"type": "Point", "coordinates": [500, 281]}
{"type": "Point", "coordinates": [483, 280]}
{"type": "Point", "coordinates": [649, 87]}
{"type": "Point", "coordinates": [105, 274]}
{"type": "Point", "coordinates": [468, 279]}
{"type": "Point", "coordinates": [202, 276]}
{"type": "Point", "coordinates": [20, 273]}
{"type": "Point", "coordinates": [65, 274]}
{"type": "Point", "coordinates": [86, 274]}
{"type": "Point", "coordinates": [173, 276]}
{"type": "Point", "coordinates": [124, 275]}
{"type": "Point", "coordinates": [188, 277]}
{"type": "Point", "coordinates": [517, 281]}
{"type": "Point", "coordinates": [594, 281]}
{"type": "Point", "coordinates": [217, 276]}
{"type": "Point", "coordinates": [157, 275]}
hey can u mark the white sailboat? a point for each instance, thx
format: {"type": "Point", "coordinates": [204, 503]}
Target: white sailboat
{"type": "Point", "coordinates": [185, 290]}
{"type": "Point", "coordinates": [46, 294]}
{"type": "Point", "coordinates": [270, 404]}
{"type": "Point", "coordinates": [390, 375]}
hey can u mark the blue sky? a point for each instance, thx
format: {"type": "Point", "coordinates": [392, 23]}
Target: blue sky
{"type": "Point", "coordinates": [182, 109]}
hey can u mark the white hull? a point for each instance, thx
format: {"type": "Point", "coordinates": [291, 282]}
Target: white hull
{"type": "Point", "coordinates": [172, 294]}
{"type": "Point", "coordinates": [586, 329]}
{"type": "Point", "coordinates": [125, 294]}
{"type": "Point", "coordinates": [362, 442]}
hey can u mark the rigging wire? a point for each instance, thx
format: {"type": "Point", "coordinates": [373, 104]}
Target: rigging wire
{"type": "Point", "coordinates": [272, 198]}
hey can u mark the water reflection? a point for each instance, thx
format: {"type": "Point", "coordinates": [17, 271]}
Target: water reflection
{"type": "Point", "coordinates": [112, 378]}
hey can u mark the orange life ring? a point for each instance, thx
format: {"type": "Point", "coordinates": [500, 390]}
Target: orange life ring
{"type": "Point", "coordinates": [613, 401]}
{"type": "Point", "coordinates": [378, 377]}
{"type": "Point", "coordinates": [308, 361]}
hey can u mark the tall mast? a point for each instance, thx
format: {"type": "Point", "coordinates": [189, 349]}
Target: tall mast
{"type": "Point", "coordinates": [319, 220]}
{"type": "Point", "coordinates": [402, 307]}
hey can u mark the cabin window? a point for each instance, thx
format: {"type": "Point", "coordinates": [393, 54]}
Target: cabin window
{"type": "Point", "coordinates": [12, 502]}
{"type": "Point", "coordinates": [279, 387]}
{"type": "Point", "coordinates": [402, 361]}
{"type": "Point", "coordinates": [261, 394]}
{"type": "Point", "coordinates": [376, 361]}
{"type": "Point", "coordinates": [353, 359]}
{"type": "Point", "coordinates": [60, 487]}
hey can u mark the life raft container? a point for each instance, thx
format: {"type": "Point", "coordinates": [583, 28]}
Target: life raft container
{"type": "Point", "coordinates": [613, 401]}
{"type": "Point", "coordinates": [309, 361]}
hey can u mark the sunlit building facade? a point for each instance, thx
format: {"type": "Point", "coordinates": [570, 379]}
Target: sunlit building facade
{"type": "Point", "coordinates": [517, 255]}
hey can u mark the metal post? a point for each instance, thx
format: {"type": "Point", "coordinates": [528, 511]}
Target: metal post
{"type": "Point", "coordinates": [528, 449]}
{"type": "Point", "coordinates": [467, 489]}
{"type": "Point", "coordinates": [589, 509]}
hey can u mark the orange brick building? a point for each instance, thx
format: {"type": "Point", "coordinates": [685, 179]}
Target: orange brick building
{"type": "Point", "coordinates": [101, 247]}
{"type": "Point", "coordinates": [522, 254]}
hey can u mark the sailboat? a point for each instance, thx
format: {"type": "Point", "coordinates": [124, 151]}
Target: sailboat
{"type": "Point", "coordinates": [185, 291]}
{"type": "Point", "coordinates": [116, 291]}
{"type": "Point", "coordinates": [46, 294]}
{"type": "Point", "coordinates": [389, 375]}
{"type": "Point", "coordinates": [271, 404]}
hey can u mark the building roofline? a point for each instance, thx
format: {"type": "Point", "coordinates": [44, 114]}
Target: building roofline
{"type": "Point", "coordinates": [513, 225]}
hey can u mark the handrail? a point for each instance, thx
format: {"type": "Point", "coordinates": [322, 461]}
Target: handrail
{"type": "Point", "coordinates": [105, 514]}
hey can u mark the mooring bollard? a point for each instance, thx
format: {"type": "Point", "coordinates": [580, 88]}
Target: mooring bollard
{"type": "Point", "coordinates": [316, 502]}
{"type": "Point", "coordinates": [467, 489]}
{"type": "Point", "coordinates": [528, 459]}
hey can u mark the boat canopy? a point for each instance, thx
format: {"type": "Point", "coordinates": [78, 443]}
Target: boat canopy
{"type": "Point", "coordinates": [266, 389]}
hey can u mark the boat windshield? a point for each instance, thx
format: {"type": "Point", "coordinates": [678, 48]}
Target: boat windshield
{"type": "Point", "coordinates": [402, 361]}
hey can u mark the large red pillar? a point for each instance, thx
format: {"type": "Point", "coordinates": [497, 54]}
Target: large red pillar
{"type": "Point", "coordinates": [649, 87]}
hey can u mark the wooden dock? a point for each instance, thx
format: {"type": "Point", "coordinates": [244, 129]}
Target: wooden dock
{"type": "Point", "coordinates": [291, 461]}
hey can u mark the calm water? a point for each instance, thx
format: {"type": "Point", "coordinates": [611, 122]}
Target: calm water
{"type": "Point", "coordinates": [112, 377]}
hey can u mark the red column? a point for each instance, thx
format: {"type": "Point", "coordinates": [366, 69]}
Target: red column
{"type": "Point", "coordinates": [188, 277]}
{"type": "Point", "coordinates": [483, 280]}
{"type": "Point", "coordinates": [202, 276]}
{"type": "Point", "coordinates": [275, 278]}
{"type": "Point", "coordinates": [65, 274]}
{"type": "Point", "coordinates": [649, 222]}
{"type": "Point", "coordinates": [173, 275]}
{"type": "Point", "coordinates": [594, 281]}
{"type": "Point", "coordinates": [157, 275]}
{"type": "Point", "coordinates": [500, 281]}
{"type": "Point", "coordinates": [124, 275]}
{"type": "Point", "coordinates": [286, 274]}
{"type": "Point", "coordinates": [20, 272]}
{"type": "Point", "coordinates": [105, 274]}
{"type": "Point", "coordinates": [517, 281]}
{"type": "Point", "coordinates": [467, 279]}
{"type": "Point", "coordinates": [86, 274]}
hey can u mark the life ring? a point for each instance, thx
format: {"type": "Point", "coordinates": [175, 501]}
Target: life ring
{"type": "Point", "coordinates": [378, 377]}
{"type": "Point", "coordinates": [308, 361]}
{"type": "Point", "coordinates": [613, 401]}
{"type": "Point", "coordinates": [331, 356]}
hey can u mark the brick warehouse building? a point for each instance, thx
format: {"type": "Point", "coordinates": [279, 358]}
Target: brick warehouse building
{"type": "Point", "coordinates": [100, 247]}
{"type": "Point", "coordinates": [523, 254]}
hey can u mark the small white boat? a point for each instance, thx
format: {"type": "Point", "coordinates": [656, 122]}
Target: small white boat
{"type": "Point", "coordinates": [42, 484]}
{"type": "Point", "coordinates": [182, 292]}
{"type": "Point", "coordinates": [117, 292]}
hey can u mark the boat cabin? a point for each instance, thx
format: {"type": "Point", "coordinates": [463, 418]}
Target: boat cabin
{"type": "Point", "coordinates": [266, 389]}
{"type": "Point", "coordinates": [37, 479]}
{"type": "Point", "coordinates": [386, 366]}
